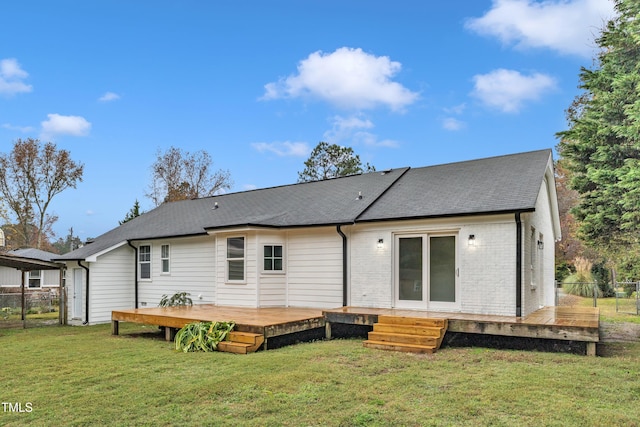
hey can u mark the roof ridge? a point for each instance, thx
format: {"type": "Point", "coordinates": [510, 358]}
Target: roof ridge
{"type": "Point", "coordinates": [406, 169]}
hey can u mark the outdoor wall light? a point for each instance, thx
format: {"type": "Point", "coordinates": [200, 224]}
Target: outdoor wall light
{"type": "Point", "coordinates": [472, 240]}
{"type": "Point", "coordinates": [380, 243]}
{"type": "Point", "coordinates": [540, 244]}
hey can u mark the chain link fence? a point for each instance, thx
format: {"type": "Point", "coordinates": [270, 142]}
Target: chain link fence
{"type": "Point", "coordinates": [628, 297]}
{"type": "Point", "coordinates": [40, 308]}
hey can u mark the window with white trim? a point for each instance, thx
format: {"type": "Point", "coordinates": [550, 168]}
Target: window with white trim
{"type": "Point", "coordinates": [164, 259]}
{"type": "Point", "coordinates": [272, 258]}
{"type": "Point", "coordinates": [235, 259]}
{"type": "Point", "coordinates": [534, 257]}
{"type": "Point", "coordinates": [144, 261]}
{"type": "Point", "coordinates": [35, 279]}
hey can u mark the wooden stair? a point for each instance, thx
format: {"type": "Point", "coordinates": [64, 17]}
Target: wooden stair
{"type": "Point", "coordinates": [241, 342]}
{"type": "Point", "coordinates": [408, 334]}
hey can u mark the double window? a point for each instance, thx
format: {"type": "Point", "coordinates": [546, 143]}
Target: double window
{"type": "Point", "coordinates": [144, 260]}
{"type": "Point", "coordinates": [272, 258]}
{"type": "Point", "coordinates": [235, 259]}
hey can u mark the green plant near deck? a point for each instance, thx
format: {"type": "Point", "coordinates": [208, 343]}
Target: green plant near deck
{"type": "Point", "coordinates": [202, 336]}
{"type": "Point", "coordinates": [178, 299]}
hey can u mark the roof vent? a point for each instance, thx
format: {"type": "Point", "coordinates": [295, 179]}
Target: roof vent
{"type": "Point", "coordinates": [215, 206]}
{"type": "Point", "coordinates": [386, 172]}
{"type": "Point", "coordinates": [359, 195]}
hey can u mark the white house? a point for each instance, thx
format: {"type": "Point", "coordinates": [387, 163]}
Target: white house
{"type": "Point", "coordinates": [35, 280]}
{"type": "Point", "coordinates": [473, 237]}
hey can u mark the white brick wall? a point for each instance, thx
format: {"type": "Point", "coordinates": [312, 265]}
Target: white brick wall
{"type": "Point", "coordinates": [486, 271]}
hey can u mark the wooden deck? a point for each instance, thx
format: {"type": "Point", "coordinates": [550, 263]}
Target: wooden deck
{"type": "Point", "coordinates": [271, 322]}
{"type": "Point", "coordinates": [559, 323]}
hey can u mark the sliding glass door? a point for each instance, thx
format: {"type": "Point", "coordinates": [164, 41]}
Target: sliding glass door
{"type": "Point", "coordinates": [426, 271]}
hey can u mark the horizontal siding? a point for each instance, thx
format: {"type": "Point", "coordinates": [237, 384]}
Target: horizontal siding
{"type": "Point", "coordinates": [237, 294]}
{"type": "Point", "coordinates": [191, 270]}
{"type": "Point", "coordinates": [111, 284]}
{"type": "Point", "coordinates": [314, 259]}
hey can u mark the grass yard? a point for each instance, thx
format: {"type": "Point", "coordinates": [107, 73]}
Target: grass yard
{"type": "Point", "coordinates": [84, 376]}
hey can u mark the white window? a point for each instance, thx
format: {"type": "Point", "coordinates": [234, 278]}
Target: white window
{"type": "Point", "coordinates": [35, 278]}
{"type": "Point", "coordinates": [534, 257]}
{"type": "Point", "coordinates": [272, 260]}
{"type": "Point", "coordinates": [235, 259]}
{"type": "Point", "coordinates": [164, 257]}
{"type": "Point", "coordinates": [144, 260]}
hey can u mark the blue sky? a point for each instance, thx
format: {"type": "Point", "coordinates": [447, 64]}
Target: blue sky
{"type": "Point", "coordinates": [258, 84]}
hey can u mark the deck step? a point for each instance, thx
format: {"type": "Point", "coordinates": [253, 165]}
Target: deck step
{"type": "Point", "coordinates": [241, 342]}
{"type": "Point", "coordinates": [407, 348]}
{"type": "Point", "coordinates": [408, 334]}
{"type": "Point", "coordinates": [403, 338]}
{"type": "Point", "coordinates": [428, 331]}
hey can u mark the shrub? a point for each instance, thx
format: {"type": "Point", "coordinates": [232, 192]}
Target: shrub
{"type": "Point", "coordinates": [202, 336]}
{"type": "Point", "coordinates": [178, 299]}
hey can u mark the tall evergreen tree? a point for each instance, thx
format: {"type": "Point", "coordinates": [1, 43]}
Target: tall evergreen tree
{"type": "Point", "coordinates": [331, 161]}
{"type": "Point", "coordinates": [601, 148]}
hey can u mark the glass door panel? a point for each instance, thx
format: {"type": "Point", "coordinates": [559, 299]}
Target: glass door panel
{"type": "Point", "coordinates": [410, 269]}
{"type": "Point", "coordinates": [442, 269]}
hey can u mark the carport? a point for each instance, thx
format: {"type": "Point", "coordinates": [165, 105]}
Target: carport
{"type": "Point", "coordinates": [28, 264]}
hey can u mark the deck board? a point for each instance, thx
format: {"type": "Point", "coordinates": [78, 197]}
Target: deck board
{"type": "Point", "coordinates": [271, 321]}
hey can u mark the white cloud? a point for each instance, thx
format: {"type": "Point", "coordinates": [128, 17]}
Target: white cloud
{"type": "Point", "coordinates": [453, 124]}
{"type": "Point", "coordinates": [65, 125]}
{"type": "Point", "coordinates": [456, 109]}
{"type": "Point", "coordinates": [23, 129]}
{"type": "Point", "coordinates": [566, 26]}
{"type": "Point", "coordinates": [348, 78]}
{"type": "Point", "coordinates": [11, 77]}
{"type": "Point", "coordinates": [350, 129]}
{"type": "Point", "coordinates": [293, 149]}
{"type": "Point", "coordinates": [508, 90]}
{"type": "Point", "coordinates": [109, 96]}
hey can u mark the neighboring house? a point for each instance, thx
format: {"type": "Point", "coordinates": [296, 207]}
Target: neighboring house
{"type": "Point", "coordinates": [35, 280]}
{"type": "Point", "coordinates": [474, 237]}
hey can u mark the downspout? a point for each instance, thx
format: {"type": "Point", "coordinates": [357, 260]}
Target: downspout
{"type": "Point", "coordinates": [87, 295]}
{"type": "Point", "coordinates": [344, 266]}
{"type": "Point", "coordinates": [135, 277]}
{"type": "Point", "coordinates": [518, 265]}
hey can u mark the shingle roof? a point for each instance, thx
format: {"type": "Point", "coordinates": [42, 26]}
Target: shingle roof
{"type": "Point", "coordinates": [498, 184]}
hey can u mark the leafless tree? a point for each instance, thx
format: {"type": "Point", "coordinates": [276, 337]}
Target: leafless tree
{"type": "Point", "coordinates": [180, 175]}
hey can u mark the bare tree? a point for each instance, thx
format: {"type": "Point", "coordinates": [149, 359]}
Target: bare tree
{"type": "Point", "coordinates": [31, 175]}
{"type": "Point", "coordinates": [180, 175]}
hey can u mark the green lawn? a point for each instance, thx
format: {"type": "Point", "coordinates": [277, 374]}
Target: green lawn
{"type": "Point", "coordinates": [84, 376]}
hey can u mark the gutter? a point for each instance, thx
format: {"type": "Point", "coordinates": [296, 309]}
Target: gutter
{"type": "Point", "coordinates": [87, 294]}
{"type": "Point", "coordinates": [135, 269]}
{"type": "Point", "coordinates": [344, 265]}
{"type": "Point", "coordinates": [518, 264]}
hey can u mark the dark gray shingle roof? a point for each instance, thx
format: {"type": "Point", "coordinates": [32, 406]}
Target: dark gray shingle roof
{"type": "Point", "coordinates": [497, 184]}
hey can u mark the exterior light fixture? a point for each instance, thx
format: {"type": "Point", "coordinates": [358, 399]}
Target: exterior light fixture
{"type": "Point", "coordinates": [472, 240]}
{"type": "Point", "coordinates": [540, 245]}
{"type": "Point", "coordinates": [380, 243]}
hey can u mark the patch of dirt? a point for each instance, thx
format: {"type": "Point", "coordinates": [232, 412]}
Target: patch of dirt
{"type": "Point", "coordinates": [619, 332]}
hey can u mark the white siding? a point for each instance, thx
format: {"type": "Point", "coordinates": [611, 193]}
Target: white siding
{"type": "Point", "coordinates": [111, 284]}
{"type": "Point", "coordinates": [544, 293]}
{"type": "Point", "coordinates": [314, 258]}
{"type": "Point", "coordinates": [10, 277]}
{"type": "Point", "coordinates": [237, 294]}
{"type": "Point", "coordinates": [192, 270]}
{"type": "Point", "coordinates": [272, 286]}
